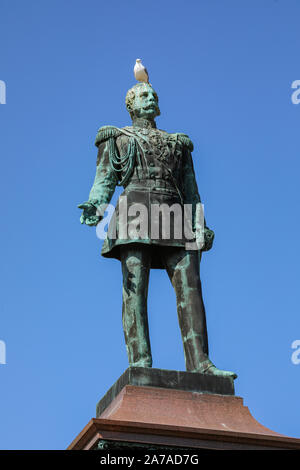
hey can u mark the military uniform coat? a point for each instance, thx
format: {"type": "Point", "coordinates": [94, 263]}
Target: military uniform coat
{"type": "Point", "coordinates": [154, 168]}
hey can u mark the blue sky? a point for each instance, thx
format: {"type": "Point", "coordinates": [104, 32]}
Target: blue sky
{"type": "Point", "coordinates": [223, 72]}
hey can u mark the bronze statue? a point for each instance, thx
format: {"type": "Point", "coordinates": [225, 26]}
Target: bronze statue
{"type": "Point", "coordinates": [156, 169]}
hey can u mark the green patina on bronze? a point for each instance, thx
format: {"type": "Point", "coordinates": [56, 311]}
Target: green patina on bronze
{"type": "Point", "coordinates": [111, 445]}
{"type": "Point", "coordinates": [154, 167]}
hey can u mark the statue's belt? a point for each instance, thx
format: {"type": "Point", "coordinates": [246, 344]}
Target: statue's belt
{"type": "Point", "coordinates": [157, 184]}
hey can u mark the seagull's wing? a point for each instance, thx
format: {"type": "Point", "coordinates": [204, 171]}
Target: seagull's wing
{"type": "Point", "coordinates": [146, 72]}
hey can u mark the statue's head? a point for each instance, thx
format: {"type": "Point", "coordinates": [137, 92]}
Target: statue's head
{"type": "Point", "coordinates": [142, 102]}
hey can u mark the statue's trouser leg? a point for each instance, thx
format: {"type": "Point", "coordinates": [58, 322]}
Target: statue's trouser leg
{"type": "Point", "coordinates": [136, 268]}
{"type": "Point", "coordinates": [184, 272]}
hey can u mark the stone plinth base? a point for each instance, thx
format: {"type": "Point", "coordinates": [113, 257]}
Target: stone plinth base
{"type": "Point", "coordinates": [153, 407]}
{"type": "Point", "coordinates": [186, 409]}
{"type": "Point", "coordinates": [162, 380]}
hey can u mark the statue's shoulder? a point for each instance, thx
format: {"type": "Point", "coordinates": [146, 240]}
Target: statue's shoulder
{"type": "Point", "coordinates": [185, 140]}
{"type": "Point", "coordinates": [105, 133]}
{"type": "Point", "coordinates": [179, 136]}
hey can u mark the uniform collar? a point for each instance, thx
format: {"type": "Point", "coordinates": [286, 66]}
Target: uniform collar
{"type": "Point", "coordinates": [144, 123]}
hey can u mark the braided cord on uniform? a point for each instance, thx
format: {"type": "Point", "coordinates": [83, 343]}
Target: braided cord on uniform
{"type": "Point", "coordinates": [122, 165]}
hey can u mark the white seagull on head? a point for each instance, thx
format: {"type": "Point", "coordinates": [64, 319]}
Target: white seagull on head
{"type": "Point", "coordinates": [140, 72]}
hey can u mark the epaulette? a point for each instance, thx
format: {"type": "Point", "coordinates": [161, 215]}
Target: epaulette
{"type": "Point", "coordinates": [105, 133]}
{"type": "Point", "coordinates": [186, 141]}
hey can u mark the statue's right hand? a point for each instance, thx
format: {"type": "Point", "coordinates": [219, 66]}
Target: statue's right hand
{"type": "Point", "coordinates": [89, 215]}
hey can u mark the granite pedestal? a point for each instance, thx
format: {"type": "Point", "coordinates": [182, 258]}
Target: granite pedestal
{"type": "Point", "coordinates": [155, 408]}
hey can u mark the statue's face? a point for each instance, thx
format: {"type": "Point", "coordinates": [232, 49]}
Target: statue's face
{"type": "Point", "coordinates": [145, 103]}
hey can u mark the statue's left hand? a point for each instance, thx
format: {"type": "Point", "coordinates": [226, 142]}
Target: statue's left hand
{"type": "Point", "coordinates": [208, 239]}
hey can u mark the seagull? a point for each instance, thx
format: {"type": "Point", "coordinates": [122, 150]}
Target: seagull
{"type": "Point", "coordinates": [140, 72]}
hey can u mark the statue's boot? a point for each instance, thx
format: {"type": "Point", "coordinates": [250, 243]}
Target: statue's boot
{"type": "Point", "coordinates": [213, 370]}
{"type": "Point", "coordinates": [208, 368]}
